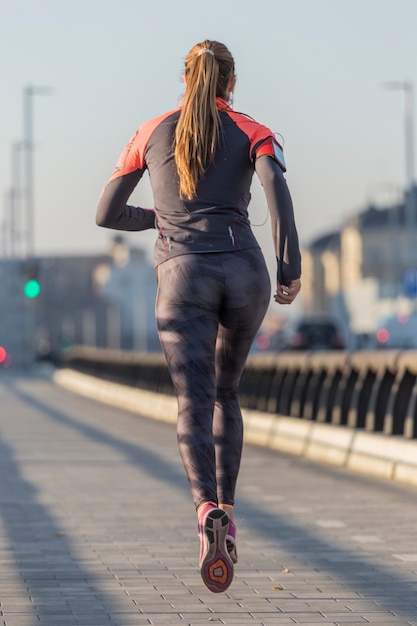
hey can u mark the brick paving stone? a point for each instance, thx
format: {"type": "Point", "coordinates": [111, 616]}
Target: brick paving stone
{"type": "Point", "coordinates": [347, 618]}
{"type": "Point", "coordinates": [19, 620]}
{"type": "Point", "coordinates": [382, 618]}
{"type": "Point", "coordinates": [97, 528]}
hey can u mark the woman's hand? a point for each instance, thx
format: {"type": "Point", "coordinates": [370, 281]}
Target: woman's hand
{"type": "Point", "coordinates": [286, 294]}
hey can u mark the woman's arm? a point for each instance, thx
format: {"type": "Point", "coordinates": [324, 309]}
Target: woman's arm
{"type": "Point", "coordinates": [284, 231]}
{"type": "Point", "coordinates": [112, 210]}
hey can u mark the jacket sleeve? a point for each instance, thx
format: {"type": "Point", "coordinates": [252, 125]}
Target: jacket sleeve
{"type": "Point", "coordinates": [113, 210]}
{"type": "Point", "coordinates": [280, 207]}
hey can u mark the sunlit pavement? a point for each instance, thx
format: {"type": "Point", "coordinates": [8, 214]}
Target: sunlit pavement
{"type": "Point", "coordinates": [97, 528]}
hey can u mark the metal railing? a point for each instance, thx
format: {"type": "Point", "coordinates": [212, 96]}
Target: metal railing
{"type": "Point", "coordinates": [375, 391]}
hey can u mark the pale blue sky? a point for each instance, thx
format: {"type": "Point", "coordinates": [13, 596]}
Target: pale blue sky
{"type": "Point", "coordinates": [312, 70]}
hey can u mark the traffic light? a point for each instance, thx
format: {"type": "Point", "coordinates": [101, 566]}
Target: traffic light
{"type": "Point", "coordinates": [31, 285]}
{"type": "Point", "coordinates": [32, 288]}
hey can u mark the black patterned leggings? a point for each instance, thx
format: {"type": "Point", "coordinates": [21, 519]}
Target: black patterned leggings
{"type": "Point", "coordinates": [209, 308]}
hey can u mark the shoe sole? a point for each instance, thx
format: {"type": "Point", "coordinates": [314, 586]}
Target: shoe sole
{"type": "Point", "coordinates": [216, 567]}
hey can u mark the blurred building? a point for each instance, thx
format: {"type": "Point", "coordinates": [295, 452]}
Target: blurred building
{"type": "Point", "coordinates": [13, 316]}
{"type": "Point", "coordinates": [103, 300]}
{"type": "Point", "coordinates": [366, 270]}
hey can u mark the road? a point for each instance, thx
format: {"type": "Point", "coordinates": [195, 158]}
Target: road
{"type": "Point", "coordinates": [97, 528]}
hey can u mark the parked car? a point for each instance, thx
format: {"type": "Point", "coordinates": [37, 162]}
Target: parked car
{"type": "Point", "coordinates": [397, 332]}
{"type": "Point", "coordinates": [313, 332]}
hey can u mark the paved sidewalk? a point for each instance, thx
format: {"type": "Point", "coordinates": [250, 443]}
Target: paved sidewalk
{"type": "Point", "coordinates": [97, 528]}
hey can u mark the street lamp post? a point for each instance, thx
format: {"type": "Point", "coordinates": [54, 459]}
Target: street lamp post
{"type": "Point", "coordinates": [15, 197]}
{"type": "Point", "coordinates": [410, 208]}
{"type": "Point", "coordinates": [407, 88]}
{"type": "Point", "coordinates": [409, 132]}
{"type": "Point", "coordinates": [5, 226]}
{"type": "Point", "coordinates": [28, 134]}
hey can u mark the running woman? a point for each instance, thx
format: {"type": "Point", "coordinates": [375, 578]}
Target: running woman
{"type": "Point", "coordinates": [213, 284]}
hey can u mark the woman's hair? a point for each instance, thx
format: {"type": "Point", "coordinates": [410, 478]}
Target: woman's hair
{"type": "Point", "coordinates": [209, 66]}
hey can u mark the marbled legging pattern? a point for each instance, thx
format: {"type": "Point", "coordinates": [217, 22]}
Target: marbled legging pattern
{"type": "Point", "coordinates": [209, 308]}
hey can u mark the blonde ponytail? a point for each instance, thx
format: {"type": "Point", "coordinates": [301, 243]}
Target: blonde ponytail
{"type": "Point", "coordinates": [209, 67]}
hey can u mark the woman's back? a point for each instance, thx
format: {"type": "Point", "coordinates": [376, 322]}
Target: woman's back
{"type": "Point", "coordinates": [216, 218]}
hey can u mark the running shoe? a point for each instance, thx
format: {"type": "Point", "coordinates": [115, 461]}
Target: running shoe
{"type": "Point", "coordinates": [216, 565]}
{"type": "Point", "coordinates": [231, 541]}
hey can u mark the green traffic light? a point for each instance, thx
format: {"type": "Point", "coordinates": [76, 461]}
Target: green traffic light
{"type": "Point", "coordinates": [32, 289]}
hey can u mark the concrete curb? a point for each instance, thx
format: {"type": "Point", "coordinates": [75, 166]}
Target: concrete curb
{"type": "Point", "coordinates": [393, 458]}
